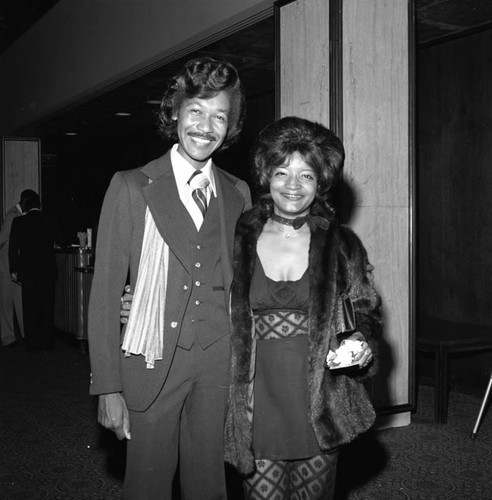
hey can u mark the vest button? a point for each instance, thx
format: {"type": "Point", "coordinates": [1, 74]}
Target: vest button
{"type": "Point", "coordinates": [198, 247]}
{"type": "Point", "coordinates": [198, 264]}
{"type": "Point", "coordinates": [197, 302]}
{"type": "Point", "coordinates": [185, 287]}
{"type": "Point", "coordinates": [174, 324]}
{"type": "Point", "coordinates": [197, 283]}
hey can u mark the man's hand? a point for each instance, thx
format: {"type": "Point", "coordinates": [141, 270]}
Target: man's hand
{"type": "Point", "coordinates": [113, 414]}
{"type": "Point", "coordinates": [13, 277]}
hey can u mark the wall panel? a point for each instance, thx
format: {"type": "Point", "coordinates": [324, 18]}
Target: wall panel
{"type": "Point", "coordinates": [455, 180]}
{"type": "Point", "coordinates": [304, 65]}
{"type": "Point", "coordinates": [377, 173]}
{"type": "Point", "coordinates": [455, 193]}
{"type": "Point", "coordinates": [377, 177]}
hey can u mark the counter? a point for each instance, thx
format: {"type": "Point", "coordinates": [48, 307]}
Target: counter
{"type": "Point", "coordinates": [72, 292]}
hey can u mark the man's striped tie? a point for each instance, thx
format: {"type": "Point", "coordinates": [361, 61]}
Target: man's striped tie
{"type": "Point", "coordinates": [199, 183]}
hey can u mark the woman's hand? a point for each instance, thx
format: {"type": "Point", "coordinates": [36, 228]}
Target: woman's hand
{"type": "Point", "coordinates": [126, 305]}
{"type": "Point", "coordinates": [364, 356]}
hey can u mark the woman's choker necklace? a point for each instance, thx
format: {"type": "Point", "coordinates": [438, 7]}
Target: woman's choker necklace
{"type": "Point", "coordinates": [296, 223]}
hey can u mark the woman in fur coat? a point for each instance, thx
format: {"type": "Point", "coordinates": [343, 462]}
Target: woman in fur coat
{"type": "Point", "coordinates": [302, 287]}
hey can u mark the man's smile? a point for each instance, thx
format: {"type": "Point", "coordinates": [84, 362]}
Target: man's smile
{"type": "Point", "coordinates": [202, 138]}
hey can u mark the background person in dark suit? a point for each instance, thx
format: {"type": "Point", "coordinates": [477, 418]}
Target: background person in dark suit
{"type": "Point", "coordinates": [32, 264]}
{"type": "Point", "coordinates": [169, 226]}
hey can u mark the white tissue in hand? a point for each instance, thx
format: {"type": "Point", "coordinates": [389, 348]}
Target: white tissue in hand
{"type": "Point", "coordinates": [344, 355]}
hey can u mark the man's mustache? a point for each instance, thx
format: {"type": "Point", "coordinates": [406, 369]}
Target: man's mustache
{"type": "Point", "coordinates": [207, 137]}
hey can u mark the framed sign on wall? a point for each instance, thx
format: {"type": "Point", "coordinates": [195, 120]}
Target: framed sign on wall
{"type": "Point", "coordinates": [21, 164]}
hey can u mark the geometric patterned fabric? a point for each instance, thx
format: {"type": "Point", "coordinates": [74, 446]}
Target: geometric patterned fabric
{"type": "Point", "coordinates": [280, 324]}
{"type": "Point", "coordinates": [311, 479]}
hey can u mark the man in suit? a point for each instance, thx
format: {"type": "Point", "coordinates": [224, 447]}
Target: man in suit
{"type": "Point", "coordinates": [10, 292]}
{"type": "Point", "coordinates": [32, 265]}
{"type": "Point", "coordinates": [169, 227]}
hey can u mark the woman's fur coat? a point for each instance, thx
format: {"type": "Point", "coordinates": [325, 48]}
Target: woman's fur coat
{"type": "Point", "coordinates": [339, 407]}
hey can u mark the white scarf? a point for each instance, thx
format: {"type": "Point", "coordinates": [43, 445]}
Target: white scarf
{"type": "Point", "coordinates": [145, 328]}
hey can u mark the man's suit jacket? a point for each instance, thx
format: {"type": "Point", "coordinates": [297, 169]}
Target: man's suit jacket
{"type": "Point", "coordinates": [119, 245]}
{"type": "Point", "coordinates": [31, 246]}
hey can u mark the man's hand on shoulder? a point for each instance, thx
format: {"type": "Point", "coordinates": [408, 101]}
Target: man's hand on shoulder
{"type": "Point", "coordinates": [113, 414]}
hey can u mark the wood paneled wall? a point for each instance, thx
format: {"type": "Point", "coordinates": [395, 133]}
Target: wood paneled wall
{"type": "Point", "coordinates": [377, 177]}
{"type": "Point", "coordinates": [455, 192]}
{"type": "Point", "coordinates": [455, 180]}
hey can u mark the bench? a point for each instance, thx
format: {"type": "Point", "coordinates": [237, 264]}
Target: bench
{"type": "Point", "coordinates": [442, 339]}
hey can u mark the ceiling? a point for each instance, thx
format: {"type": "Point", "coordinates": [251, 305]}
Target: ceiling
{"type": "Point", "coordinates": [251, 51]}
{"type": "Point", "coordinates": [17, 16]}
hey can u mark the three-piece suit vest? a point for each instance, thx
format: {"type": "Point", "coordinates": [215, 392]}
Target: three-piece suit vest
{"type": "Point", "coordinates": [206, 317]}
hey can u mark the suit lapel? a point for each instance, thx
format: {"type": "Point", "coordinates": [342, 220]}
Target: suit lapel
{"type": "Point", "coordinates": [163, 200]}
